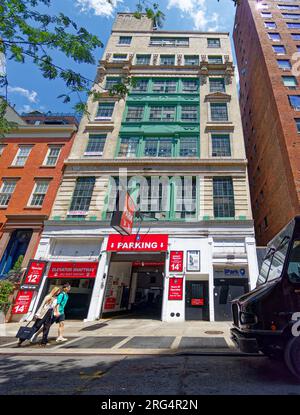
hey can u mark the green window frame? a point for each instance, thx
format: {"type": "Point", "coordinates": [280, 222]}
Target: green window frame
{"type": "Point", "coordinates": [166, 113]}
{"type": "Point", "coordinates": [189, 113]}
{"type": "Point", "coordinates": [135, 113]}
{"type": "Point", "coordinates": [140, 85]}
{"type": "Point", "coordinates": [189, 86]}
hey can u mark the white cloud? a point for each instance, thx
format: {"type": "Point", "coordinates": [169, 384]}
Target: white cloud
{"type": "Point", "coordinates": [197, 11]}
{"type": "Point", "coordinates": [30, 95]}
{"type": "Point", "coordinates": [99, 7]}
{"type": "Point", "coordinates": [25, 108]}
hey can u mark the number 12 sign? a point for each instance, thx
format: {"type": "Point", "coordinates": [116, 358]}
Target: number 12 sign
{"type": "Point", "coordinates": [176, 261]}
{"type": "Point", "coordinates": [35, 272]}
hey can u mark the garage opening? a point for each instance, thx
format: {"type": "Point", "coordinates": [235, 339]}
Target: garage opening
{"type": "Point", "coordinates": [134, 287]}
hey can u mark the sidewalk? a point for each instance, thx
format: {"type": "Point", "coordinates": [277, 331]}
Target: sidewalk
{"type": "Point", "coordinates": [127, 336]}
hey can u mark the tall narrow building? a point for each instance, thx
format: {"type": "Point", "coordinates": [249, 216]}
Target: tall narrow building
{"type": "Point", "coordinates": [176, 140]}
{"type": "Point", "coordinates": [267, 39]}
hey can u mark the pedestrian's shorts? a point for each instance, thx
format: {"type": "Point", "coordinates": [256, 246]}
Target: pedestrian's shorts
{"type": "Point", "coordinates": [60, 318]}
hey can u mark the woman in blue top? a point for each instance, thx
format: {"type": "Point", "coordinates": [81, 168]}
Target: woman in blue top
{"type": "Point", "coordinates": [59, 311]}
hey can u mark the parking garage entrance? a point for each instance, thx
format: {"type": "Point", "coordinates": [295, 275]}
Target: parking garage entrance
{"type": "Point", "coordinates": [135, 285]}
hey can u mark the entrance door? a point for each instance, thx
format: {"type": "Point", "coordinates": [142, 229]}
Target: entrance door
{"type": "Point", "coordinates": [196, 300]}
{"type": "Point", "coordinates": [225, 291]}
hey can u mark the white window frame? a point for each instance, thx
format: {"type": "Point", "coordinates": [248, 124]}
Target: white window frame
{"type": "Point", "coordinates": [45, 163]}
{"type": "Point", "coordinates": [29, 204]}
{"type": "Point", "coordinates": [100, 118]}
{"type": "Point", "coordinates": [14, 163]}
{"type": "Point", "coordinates": [4, 182]}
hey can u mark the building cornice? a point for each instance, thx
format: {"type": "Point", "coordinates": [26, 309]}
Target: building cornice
{"type": "Point", "coordinates": [155, 162]}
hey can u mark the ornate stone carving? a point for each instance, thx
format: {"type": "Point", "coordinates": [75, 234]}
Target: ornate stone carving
{"type": "Point", "coordinates": [155, 59]}
{"type": "Point", "coordinates": [179, 60]}
{"type": "Point", "coordinates": [108, 56]}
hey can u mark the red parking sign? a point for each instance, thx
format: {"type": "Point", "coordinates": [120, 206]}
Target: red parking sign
{"type": "Point", "coordinates": [176, 261]}
{"type": "Point", "coordinates": [22, 302]}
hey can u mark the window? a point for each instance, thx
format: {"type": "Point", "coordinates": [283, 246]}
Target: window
{"type": "Point", "coordinates": [223, 197]}
{"type": "Point", "coordinates": [2, 147]}
{"type": "Point", "coordinates": [279, 49]}
{"type": "Point", "coordinates": [141, 85]}
{"type": "Point", "coordinates": [216, 85]}
{"type": "Point", "coordinates": [275, 37]}
{"type": "Point", "coordinates": [266, 15]}
{"type": "Point", "coordinates": [52, 156]}
{"type": "Point", "coordinates": [295, 102]}
{"type": "Point", "coordinates": [82, 196]}
{"type": "Point", "coordinates": [7, 189]}
{"type": "Point", "coordinates": [287, 7]}
{"type": "Point", "coordinates": [95, 145]}
{"type": "Point", "coordinates": [143, 59]}
{"type": "Point", "coordinates": [221, 145]}
{"type": "Point", "coordinates": [158, 147]}
{"type": "Point", "coordinates": [291, 16]}
{"type": "Point", "coordinates": [167, 60]}
{"type": "Point", "coordinates": [105, 111]}
{"type": "Point", "coordinates": [219, 112]}
{"type": "Point", "coordinates": [289, 81]}
{"type": "Point", "coordinates": [166, 113]}
{"type": "Point", "coordinates": [169, 41]}
{"type": "Point", "coordinates": [295, 36]}
{"type": "Point", "coordinates": [111, 82]}
{"type": "Point", "coordinates": [298, 48]}
{"type": "Point", "coordinates": [217, 60]}
{"type": "Point", "coordinates": [284, 64]}
{"type": "Point", "coordinates": [297, 121]}
{"type": "Point", "coordinates": [119, 57]}
{"type": "Point", "coordinates": [293, 25]}
{"type": "Point", "coordinates": [164, 86]}
{"type": "Point", "coordinates": [22, 155]}
{"type": "Point", "coordinates": [191, 60]}
{"type": "Point", "coordinates": [270, 25]}
{"type": "Point", "coordinates": [213, 43]}
{"type": "Point", "coordinates": [189, 86]}
{"type": "Point", "coordinates": [189, 113]}
{"type": "Point", "coordinates": [135, 114]}
{"type": "Point", "coordinates": [39, 193]}
{"type": "Point", "coordinates": [125, 40]}
{"type": "Point", "coordinates": [188, 147]}
{"type": "Point", "coordinates": [128, 147]}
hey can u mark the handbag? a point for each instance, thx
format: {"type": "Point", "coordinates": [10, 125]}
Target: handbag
{"type": "Point", "coordinates": [25, 332]}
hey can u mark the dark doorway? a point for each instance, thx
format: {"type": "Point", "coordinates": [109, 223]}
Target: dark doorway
{"type": "Point", "coordinates": [80, 295]}
{"type": "Point", "coordinates": [225, 291]}
{"type": "Point", "coordinates": [196, 300]}
{"type": "Point", "coordinates": [17, 247]}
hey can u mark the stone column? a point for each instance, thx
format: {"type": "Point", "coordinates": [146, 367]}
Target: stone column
{"type": "Point", "coordinates": [4, 242]}
{"type": "Point", "coordinates": [31, 247]}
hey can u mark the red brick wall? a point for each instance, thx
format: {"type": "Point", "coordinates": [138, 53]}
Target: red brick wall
{"type": "Point", "coordinates": [32, 170]}
{"type": "Point", "coordinates": [272, 141]}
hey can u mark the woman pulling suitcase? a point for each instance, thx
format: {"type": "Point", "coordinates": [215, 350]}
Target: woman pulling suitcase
{"type": "Point", "coordinates": [44, 316]}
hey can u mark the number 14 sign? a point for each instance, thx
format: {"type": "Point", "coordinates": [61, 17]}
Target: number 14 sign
{"type": "Point", "coordinates": [176, 261]}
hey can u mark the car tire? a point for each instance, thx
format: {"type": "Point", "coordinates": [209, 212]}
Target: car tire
{"type": "Point", "coordinates": [292, 356]}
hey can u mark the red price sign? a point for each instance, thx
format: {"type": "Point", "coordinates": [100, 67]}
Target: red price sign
{"type": "Point", "coordinates": [110, 303]}
{"type": "Point", "coordinates": [175, 289]}
{"type": "Point", "coordinates": [22, 302]}
{"type": "Point", "coordinates": [35, 272]}
{"type": "Point", "coordinates": [176, 261]}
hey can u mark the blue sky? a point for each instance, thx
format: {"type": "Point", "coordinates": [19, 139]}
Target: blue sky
{"type": "Point", "coordinates": [28, 90]}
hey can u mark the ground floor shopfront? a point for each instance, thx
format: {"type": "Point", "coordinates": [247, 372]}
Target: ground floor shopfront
{"type": "Point", "coordinates": [175, 273]}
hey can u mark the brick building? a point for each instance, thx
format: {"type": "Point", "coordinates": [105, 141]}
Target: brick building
{"type": "Point", "coordinates": [31, 166]}
{"type": "Point", "coordinates": [266, 36]}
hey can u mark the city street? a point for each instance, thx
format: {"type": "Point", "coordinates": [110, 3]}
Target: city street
{"type": "Point", "coordinates": [144, 375]}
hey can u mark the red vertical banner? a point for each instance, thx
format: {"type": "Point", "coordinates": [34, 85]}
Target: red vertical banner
{"type": "Point", "coordinates": [35, 272]}
{"type": "Point", "coordinates": [22, 302]}
{"type": "Point", "coordinates": [176, 261]}
{"type": "Point", "coordinates": [175, 289]}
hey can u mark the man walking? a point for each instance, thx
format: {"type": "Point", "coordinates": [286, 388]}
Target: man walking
{"type": "Point", "coordinates": [59, 311]}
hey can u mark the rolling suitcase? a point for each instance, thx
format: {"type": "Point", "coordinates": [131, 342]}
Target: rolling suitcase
{"type": "Point", "coordinates": [26, 332]}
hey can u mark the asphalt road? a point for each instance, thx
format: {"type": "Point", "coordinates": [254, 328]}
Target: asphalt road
{"type": "Point", "coordinates": [144, 375]}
